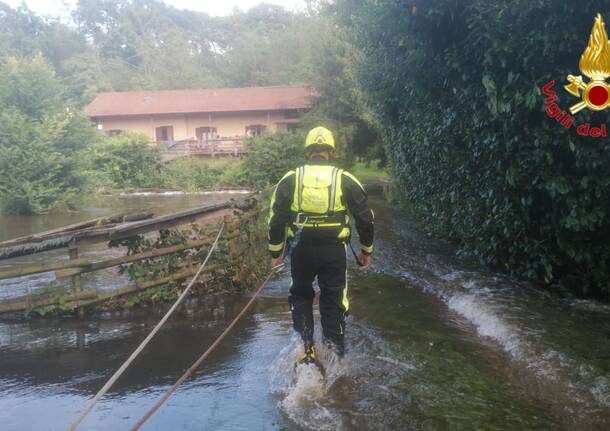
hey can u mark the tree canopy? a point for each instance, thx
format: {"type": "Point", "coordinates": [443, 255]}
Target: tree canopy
{"type": "Point", "coordinates": [119, 45]}
{"type": "Point", "coordinates": [42, 138]}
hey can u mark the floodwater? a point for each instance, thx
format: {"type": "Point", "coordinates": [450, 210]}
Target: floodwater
{"type": "Point", "coordinates": [435, 343]}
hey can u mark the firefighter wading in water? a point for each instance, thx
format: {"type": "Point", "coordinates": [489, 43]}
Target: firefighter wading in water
{"type": "Point", "coordinates": [312, 202]}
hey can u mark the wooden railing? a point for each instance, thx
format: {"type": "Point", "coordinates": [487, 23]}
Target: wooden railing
{"type": "Point", "coordinates": [115, 228]}
{"type": "Point", "coordinates": [210, 148]}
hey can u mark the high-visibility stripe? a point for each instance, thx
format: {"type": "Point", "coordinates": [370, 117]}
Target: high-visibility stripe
{"type": "Point", "coordinates": [271, 205]}
{"type": "Point", "coordinates": [333, 191]}
{"type": "Point", "coordinates": [322, 224]}
{"type": "Point", "coordinates": [367, 249]}
{"type": "Point", "coordinates": [300, 178]}
{"type": "Point", "coordinates": [345, 233]}
{"type": "Point", "coordinates": [339, 204]}
{"type": "Point", "coordinates": [353, 179]}
{"type": "Point", "coordinates": [345, 300]}
{"type": "Point", "coordinates": [276, 247]}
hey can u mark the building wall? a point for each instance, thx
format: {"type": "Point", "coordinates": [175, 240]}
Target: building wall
{"type": "Point", "coordinates": [229, 124]}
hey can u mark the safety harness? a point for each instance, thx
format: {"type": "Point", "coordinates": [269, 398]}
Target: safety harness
{"type": "Point", "coordinates": [316, 207]}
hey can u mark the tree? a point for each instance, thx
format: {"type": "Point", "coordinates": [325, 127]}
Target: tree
{"type": "Point", "coordinates": [338, 104]}
{"type": "Point", "coordinates": [41, 139]}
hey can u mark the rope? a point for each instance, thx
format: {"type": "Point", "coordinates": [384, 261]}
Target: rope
{"type": "Point", "coordinates": [89, 406]}
{"type": "Point", "coordinates": [198, 362]}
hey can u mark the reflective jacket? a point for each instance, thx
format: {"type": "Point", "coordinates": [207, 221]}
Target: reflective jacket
{"type": "Point", "coordinates": [319, 198]}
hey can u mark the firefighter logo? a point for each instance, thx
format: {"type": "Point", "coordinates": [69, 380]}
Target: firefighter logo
{"type": "Point", "coordinates": [595, 65]}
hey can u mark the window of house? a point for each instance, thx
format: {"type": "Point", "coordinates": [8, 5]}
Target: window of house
{"type": "Point", "coordinates": [291, 114]}
{"type": "Point", "coordinates": [205, 134]}
{"type": "Point", "coordinates": [164, 134]}
{"type": "Point", "coordinates": [114, 132]}
{"type": "Point", "coordinates": [255, 130]}
{"type": "Point", "coordinates": [292, 126]}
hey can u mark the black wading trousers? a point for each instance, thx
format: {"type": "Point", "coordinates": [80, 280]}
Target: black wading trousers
{"type": "Point", "coordinates": [328, 263]}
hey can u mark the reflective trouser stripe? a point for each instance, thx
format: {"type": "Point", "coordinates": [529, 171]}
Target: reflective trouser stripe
{"type": "Point", "coordinates": [345, 300]}
{"type": "Point", "coordinates": [276, 247]}
{"type": "Point", "coordinates": [367, 249]}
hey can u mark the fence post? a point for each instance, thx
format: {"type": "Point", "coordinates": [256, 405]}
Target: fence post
{"type": "Point", "coordinates": [76, 281]}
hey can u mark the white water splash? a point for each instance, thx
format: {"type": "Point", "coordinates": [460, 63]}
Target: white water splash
{"type": "Point", "coordinates": [487, 322]}
{"type": "Point", "coordinates": [303, 389]}
{"type": "Point", "coordinates": [476, 303]}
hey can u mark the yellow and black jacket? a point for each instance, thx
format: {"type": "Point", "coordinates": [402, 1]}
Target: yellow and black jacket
{"type": "Point", "coordinates": [317, 197]}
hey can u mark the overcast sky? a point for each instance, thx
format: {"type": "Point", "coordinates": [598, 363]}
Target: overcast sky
{"type": "Point", "coordinates": [213, 7]}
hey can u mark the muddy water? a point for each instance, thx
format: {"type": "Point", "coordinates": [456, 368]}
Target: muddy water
{"type": "Point", "coordinates": [435, 343]}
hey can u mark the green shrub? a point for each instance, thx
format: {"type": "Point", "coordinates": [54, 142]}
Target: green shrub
{"type": "Point", "coordinates": [269, 157]}
{"type": "Point", "coordinates": [126, 161]}
{"type": "Point", "coordinates": [191, 174]}
{"type": "Point", "coordinates": [456, 87]}
{"type": "Point", "coordinates": [42, 138]}
{"type": "Point", "coordinates": [233, 176]}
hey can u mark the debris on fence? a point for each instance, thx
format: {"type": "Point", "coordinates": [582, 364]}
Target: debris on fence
{"type": "Point", "coordinates": [179, 238]}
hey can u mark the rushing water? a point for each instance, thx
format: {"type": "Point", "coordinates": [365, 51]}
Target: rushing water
{"type": "Point", "coordinates": [435, 343]}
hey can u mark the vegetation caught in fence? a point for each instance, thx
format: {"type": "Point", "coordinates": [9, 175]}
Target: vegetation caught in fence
{"type": "Point", "coordinates": [156, 263]}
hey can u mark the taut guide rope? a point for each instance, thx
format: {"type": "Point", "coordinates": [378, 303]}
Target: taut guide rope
{"type": "Point", "coordinates": [199, 361]}
{"type": "Point", "coordinates": [89, 406]}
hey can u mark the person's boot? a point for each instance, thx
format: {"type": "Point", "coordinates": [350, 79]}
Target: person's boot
{"type": "Point", "coordinates": [309, 355]}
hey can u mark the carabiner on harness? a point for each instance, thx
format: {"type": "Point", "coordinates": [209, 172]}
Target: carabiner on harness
{"type": "Point", "coordinates": [297, 236]}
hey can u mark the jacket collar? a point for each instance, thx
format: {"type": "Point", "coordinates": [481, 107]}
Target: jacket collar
{"type": "Point", "coordinates": [318, 161]}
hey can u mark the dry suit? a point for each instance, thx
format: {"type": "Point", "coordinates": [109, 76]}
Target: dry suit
{"type": "Point", "coordinates": [310, 210]}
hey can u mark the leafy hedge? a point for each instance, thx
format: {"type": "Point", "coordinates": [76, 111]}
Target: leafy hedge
{"type": "Point", "coordinates": [269, 157]}
{"type": "Point", "coordinates": [126, 161]}
{"type": "Point", "coordinates": [42, 139]}
{"type": "Point", "coordinates": [191, 174]}
{"type": "Point", "coordinates": [456, 87]}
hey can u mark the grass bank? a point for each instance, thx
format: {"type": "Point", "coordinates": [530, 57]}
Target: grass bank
{"type": "Point", "coordinates": [369, 172]}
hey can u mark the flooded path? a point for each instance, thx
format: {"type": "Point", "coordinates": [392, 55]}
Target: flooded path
{"type": "Point", "coordinates": [435, 343]}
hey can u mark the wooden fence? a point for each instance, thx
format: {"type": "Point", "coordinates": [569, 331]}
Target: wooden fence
{"type": "Point", "coordinates": [240, 218]}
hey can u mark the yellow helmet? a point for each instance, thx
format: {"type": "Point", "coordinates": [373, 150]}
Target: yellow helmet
{"type": "Point", "coordinates": [320, 136]}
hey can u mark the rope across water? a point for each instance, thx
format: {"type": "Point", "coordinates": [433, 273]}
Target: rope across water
{"type": "Point", "coordinates": [199, 361]}
{"type": "Point", "coordinates": [89, 406]}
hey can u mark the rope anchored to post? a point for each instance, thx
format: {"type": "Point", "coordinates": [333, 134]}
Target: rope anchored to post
{"type": "Point", "coordinates": [89, 406]}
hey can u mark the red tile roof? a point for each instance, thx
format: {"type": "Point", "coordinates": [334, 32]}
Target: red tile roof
{"type": "Point", "coordinates": [210, 100]}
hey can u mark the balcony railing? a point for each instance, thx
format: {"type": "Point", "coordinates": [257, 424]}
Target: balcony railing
{"type": "Point", "coordinates": [211, 148]}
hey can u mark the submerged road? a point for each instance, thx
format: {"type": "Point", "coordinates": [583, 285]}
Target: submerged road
{"type": "Point", "coordinates": [435, 343]}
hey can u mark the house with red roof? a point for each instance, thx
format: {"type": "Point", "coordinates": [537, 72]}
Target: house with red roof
{"type": "Point", "coordinates": [201, 122]}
